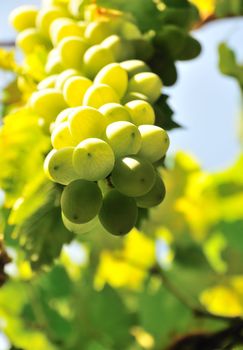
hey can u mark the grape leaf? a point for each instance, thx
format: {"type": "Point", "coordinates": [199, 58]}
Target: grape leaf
{"type": "Point", "coordinates": [41, 229]}
{"type": "Point", "coordinates": [18, 148]}
{"type": "Point", "coordinates": [158, 314]}
{"type": "Point", "coordinates": [150, 16]}
{"type": "Point", "coordinates": [228, 64]}
{"type": "Point", "coordinates": [164, 114]}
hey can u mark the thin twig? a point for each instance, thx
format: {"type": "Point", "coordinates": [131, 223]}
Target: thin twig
{"type": "Point", "coordinates": [198, 311]}
{"type": "Point", "coordinates": [10, 43]}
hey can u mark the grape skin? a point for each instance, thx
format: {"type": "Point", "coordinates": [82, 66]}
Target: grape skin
{"type": "Point", "coordinates": [118, 213]}
{"type": "Point", "coordinates": [133, 176]}
{"type": "Point", "coordinates": [81, 201]}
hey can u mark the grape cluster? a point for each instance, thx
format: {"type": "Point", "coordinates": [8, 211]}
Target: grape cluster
{"type": "Point", "coordinates": [99, 107]}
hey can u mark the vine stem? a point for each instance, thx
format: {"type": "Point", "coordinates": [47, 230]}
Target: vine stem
{"type": "Point", "coordinates": [198, 311]}
{"type": "Point", "coordinates": [10, 43]}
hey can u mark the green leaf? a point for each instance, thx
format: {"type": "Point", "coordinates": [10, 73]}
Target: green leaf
{"type": "Point", "coordinates": [43, 234]}
{"type": "Point", "coordinates": [164, 114]}
{"type": "Point", "coordinates": [21, 141]}
{"type": "Point", "coordinates": [150, 16]}
{"type": "Point", "coordinates": [162, 315]}
{"type": "Point", "coordinates": [163, 65]}
{"type": "Point", "coordinates": [228, 64]}
{"type": "Point", "coordinates": [191, 256]}
{"type": "Point", "coordinates": [225, 8]}
{"type": "Point", "coordinates": [113, 320]}
{"type": "Point", "coordinates": [56, 284]}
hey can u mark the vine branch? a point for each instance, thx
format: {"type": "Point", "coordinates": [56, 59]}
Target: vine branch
{"type": "Point", "coordinates": [198, 311]}
{"type": "Point", "coordinates": [10, 43]}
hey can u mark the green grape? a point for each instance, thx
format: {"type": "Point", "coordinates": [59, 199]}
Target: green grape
{"type": "Point", "coordinates": [64, 76]}
{"type": "Point", "coordinates": [146, 83]}
{"type": "Point", "coordinates": [63, 116]}
{"type": "Point", "coordinates": [28, 39]}
{"type": "Point", "coordinates": [122, 49]}
{"type": "Point", "coordinates": [61, 136]}
{"type": "Point", "coordinates": [53, 63]}
{"type": "Point", "coordinates": [72, 50]}
{"type": "Point", "coordinates": [154, 197]}
{"type": "Point", "coordinates": [80, 228]}
{"type": "Point", "coordinates": [129, 31]}
{"type": "Point", "coordinates": [23, 17]}
{"type": "Point", "coordinates": [58, 166]}
{"type": "Point", "coordinates": [97, 31]}
{"type": "Point", "coordinates": [141, 112]}
{"type": "Point", "coordinates": [64, 27]}
{"type": "Point", "coordinates": [47, 15]}
{"type": "Point", "coordinates": [131, 96]}
{"type": "Point", "coordinates": [81, 201]}
{"type": "Point", "coordinates": [86, 122]}
{"type": "Point", "coordinates": [114, 112]}
{"type": "Point", "coordinates": [114, 76]}
{"type": "Point", "coordinates": [93, 159]}
{"type": "Point", "coordinates": [95, 58]}
{"type": "Point", "coordinates": [118, 213]}
{"type": "Point", "coordinates": [124, 138]}
{"type": "Point", "coordinates": [155, 142]}
{"type": "Point", "coordinates": [82, 25]}
{"type": "Point", "coordinates": [58, 3]}
{"type": "Point", "coordinates": [133, 176]}
{"type": "Point", "coordinates": [48, 82]}
{"type": "Point", "coordinates": [134, 67]}
{"type": "Point", "coordinates": [99, 94]}
{"type": "Point", "coordinates": [75, 89]}
{"type": "Point", "coordinates": [47, 103]}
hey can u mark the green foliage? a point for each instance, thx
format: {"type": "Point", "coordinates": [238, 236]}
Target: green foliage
{"type": "Point", "coordinates": [109, 293]}
{"type": "Point", "coordinates": [38, 230]}
{"type": "Point", "coordinates": [228, 63]}
{"type": "Point", "coordinates": [224, 8]}
{"type": "Point", "coordinates": [151, 16]}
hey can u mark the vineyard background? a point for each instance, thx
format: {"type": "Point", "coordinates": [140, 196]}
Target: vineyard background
{"type": "Point", "coordinates": [192, 243]}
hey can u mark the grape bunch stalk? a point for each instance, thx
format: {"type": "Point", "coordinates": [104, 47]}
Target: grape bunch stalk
{"type": "Point", "coordinates": [97, 103]}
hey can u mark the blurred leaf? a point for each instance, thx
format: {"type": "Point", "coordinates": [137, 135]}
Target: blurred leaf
{"type": "Point", "coordinates": [7, 60]}
{"type": "Point", "coordinates": [225, 299]}
{"type": "Point", "coordinates": [11, 93]}
{"type": "Point", "coordinates": [225, 7]}
{"type": "Point", "coordinates": [18, 148]}
{"type": "Point", "coordinates": [228, 64]}
{"type": "Point", "coordinates": [206, 7]}
{"type": "Point", "coordinates": [13, 297]}
{"type": "Point", "coordinates": [34, 64]}
{"type": "Point", "coordinates": [56, 284]}
{"type": "Point", "coordinates": [149, 16]}
{"type": "Point", "coordinates": [158, 315]}
{"type": "Point", "coordinates": [38, 232]}
{"type": "Point", "coordinates": [127, 266]}
{"type": "Point", "coordinates": [164, 114]}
